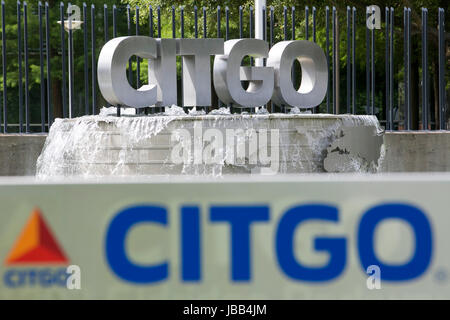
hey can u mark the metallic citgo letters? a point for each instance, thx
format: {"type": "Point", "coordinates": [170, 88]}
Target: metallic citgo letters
{"type": "Point", "coordinates": [273, 81]}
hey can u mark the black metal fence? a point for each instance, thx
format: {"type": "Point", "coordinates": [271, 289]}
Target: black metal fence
{"type": "Point", "coordinates": [32, 105]}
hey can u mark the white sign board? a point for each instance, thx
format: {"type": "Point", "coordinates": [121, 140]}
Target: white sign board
{"type": "Point", "coordinates": [252, 237]}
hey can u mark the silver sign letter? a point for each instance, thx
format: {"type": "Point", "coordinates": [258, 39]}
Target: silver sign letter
{"type": "Point", "coordinates": [163, 71]}
{"type": "Point", "coordinates": [197, 69]}
{"type": "Point", "coordinates": [228, 74]}
{"type": "Point", "coordinates": [112, 65]}
{"type": "Point", "coordinates": [314, 82]}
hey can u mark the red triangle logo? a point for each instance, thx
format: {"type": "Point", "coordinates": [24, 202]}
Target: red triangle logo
{"type": "Point", "coordinates": [36, 244]}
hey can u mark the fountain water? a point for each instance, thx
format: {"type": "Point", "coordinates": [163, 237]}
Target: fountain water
{"type": "Point", "coordinates": [174, 143]}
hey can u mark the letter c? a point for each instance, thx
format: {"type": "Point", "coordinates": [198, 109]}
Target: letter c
{"type": "Point", "coordinates": [111, 71]}
{"type": "Point", "coordinates": [115, 244]}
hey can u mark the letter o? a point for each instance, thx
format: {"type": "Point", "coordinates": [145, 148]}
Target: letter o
{"type": "Point", "coordinates": [314, 82]}
{"type": "Point", "coordinates": [424, 242]}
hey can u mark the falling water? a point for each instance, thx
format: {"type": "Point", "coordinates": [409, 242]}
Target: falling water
{"type": "Point", "coordinates": [106, 145]}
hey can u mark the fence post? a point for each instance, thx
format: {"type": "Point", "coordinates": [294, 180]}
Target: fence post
{"type": "Point", "coordinates": [47, 54]}
{"type": "Point", "coordinates": [41, 67]}
{"type": "Point", "coordinates": [93, 61]}
{"type": "Point", "coordinates": [5, 108]}
{"type": "Point", "coordinates": [348, 59]}
{"type": "Point", "coordinates": [86, 60]}
{"type": "Point", "coordinates": [424, 69]}
{"type": "Point", "coordinates": [19, 53]}
{"type": "Point", "coordinates": [327, 44]}
{"type": "Point", "coordinates": [391, 72]}
{"type": "Point", "coordinates": [441, 52]}
{"type": "Point", "coordinates": [353, 60]}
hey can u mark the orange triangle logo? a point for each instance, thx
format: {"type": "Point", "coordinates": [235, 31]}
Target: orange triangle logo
{"type": "Point", "coordinates": [36, 244]}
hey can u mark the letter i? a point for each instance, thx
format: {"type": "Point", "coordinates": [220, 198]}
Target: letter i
{"type": "Point", "coordinates": [190, 244]}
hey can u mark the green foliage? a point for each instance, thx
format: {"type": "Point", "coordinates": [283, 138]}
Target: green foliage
{"type": "Point", "coordinates": [211, 9]}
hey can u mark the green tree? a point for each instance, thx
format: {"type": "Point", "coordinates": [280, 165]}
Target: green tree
{"type": "Point", "coordinates": [416, 5]}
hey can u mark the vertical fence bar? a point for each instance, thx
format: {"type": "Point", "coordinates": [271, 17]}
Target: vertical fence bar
{"type": "Point", "coordinates": [63, 58]}
{"type": "Point", "coordinates": [86, 60]}
{"type": "Point", "coordinates": [441, 53]}
{"type": "Point", "coordinates": [353, 60]}
{"type": "Point", "coordinates": [408, 14]}
{"type": "Point", "coordinates": [27, 67]}
{"type": "Point", "coordinates": [386, 66]}
{"type": "Point", "coordinates": [391, 71]}
{"type": "Point", "coordinates": [251, 36]}
{"type": "Point", "coordinates": [150, 21]}
{"type": "Point", "coordinates": [5, 108]}
{"type": "Point", "coordinates": [114, 22]}
{"type": "Point", "coordinates": [151, 34]}
{"type": "Point", "coordinates": [130, 67]}
{"type": "Point", "coordinates": [271, 41]}
{"type": "Point", "coordinates": [348, 60]}
{"type": "Point", "coordinates": [182, 36]}
{"type": "Point", "coordinates": [173, 23]}
{"type": "Point", "coordinates": [105, 27]}
{"type": "Point", "coordinates": [219, 103]}
{"type": "Point", "coordinates": [227, 22]}
{"type": "Point", "coordinates": [327, 44]}
{"type": "Point", "coordinates": [271, 27]}
{"type": "Point", "coordinates": [293, 73]}
{"type": "Point", "coordinates": [47, 55]}
{"type": "Point", "coordinates": [138, 60]}
{"type": "Point", "coordinates": [158, 13]}
{"type": "Point", "coordinates": [19, 47]}
{"type": "Point", "coordinates": [264, 35]}
{"type": "Point", "coordinates": [293, 23]}
{"type": "Point", "coordinates": [367, 63]}
{"type": "Point", "coordinates": [264, 29]}
{"type": "Point", "coordinates": [405, 64]}
{"type": "Point", "coordinates": [334, 58]}
{"type": "Point", "coordinates": [105, 22]}
{"type": "Point", "coordinates": [241, 23]}
{"type": "Point", "coordinates": [93, 61]}
{"type": "Point", "coordinates": [70, 43]}
{"type": "Point", "coordinates": [41, 65]}
{"type": "Point", "coordinates": [251, 30]}
{"type": "Point", "coordinates": [314, 23]}
{"type": "Point", "coordinates": [306, 23]}
{"type": "Point", "coordinates": [205, 33]}
{"type": "Point", "coordinates": [158, 10]}
{"type": "Point", "coordinates": [372, 57]}
{"type": "Point", "coordinates": [218, 22]}
{"type": "Point", "coordinates": [285, 34]}
{"type": "Point", "coordinates": [251, 23]}
{"type": "Point", "coordinates": [264, 23]}
{"type": "Point", "coordinates": [195, 22]}
{"type": "Point", "coordinates": [424, 69]}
